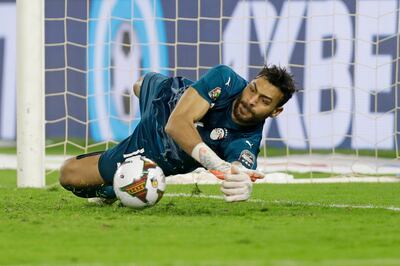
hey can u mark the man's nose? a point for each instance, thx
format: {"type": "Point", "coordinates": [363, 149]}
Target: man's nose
{"type": "Point", "coordinates": [253, 100]}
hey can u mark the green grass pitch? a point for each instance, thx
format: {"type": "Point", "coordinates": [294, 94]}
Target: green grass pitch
{"type": "Point", "coordinates": [284, 225]}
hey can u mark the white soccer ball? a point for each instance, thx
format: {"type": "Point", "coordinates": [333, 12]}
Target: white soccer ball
{"type": "Point", "coordinates": [139, 182]}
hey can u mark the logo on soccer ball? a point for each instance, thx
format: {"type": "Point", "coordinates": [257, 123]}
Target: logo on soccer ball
{"type": "Point", "coordinates": [154, 183]}
{"type": "Point", "coordinates": [137, 189]}
{"type": "Point", "coordinates": [119, 53]}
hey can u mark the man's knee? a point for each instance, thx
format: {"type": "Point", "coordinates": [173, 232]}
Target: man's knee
{"type": "Point", "coordinates": [136, 86]}
{"type": "Point", "coordinates": [69, 174]}
{"type": "Point", "coordinates": [81, 171]}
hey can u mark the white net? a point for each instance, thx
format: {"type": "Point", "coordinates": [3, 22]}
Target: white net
{"type": "Point", "coordinates": [344, 56]}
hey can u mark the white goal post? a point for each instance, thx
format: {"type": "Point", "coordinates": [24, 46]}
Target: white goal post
{"type": "Point", "coordinates": [30, 94]}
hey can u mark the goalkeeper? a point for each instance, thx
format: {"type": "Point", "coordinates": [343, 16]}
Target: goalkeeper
{"type": "Point", "coordinates": [215, 123]}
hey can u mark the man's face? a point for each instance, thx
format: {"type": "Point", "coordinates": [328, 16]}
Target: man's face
{"type": "Point", "coordinates": [258, 101]}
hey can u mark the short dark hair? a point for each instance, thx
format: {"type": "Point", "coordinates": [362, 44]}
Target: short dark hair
{"type": "Point", "coordinates": [280, 78]}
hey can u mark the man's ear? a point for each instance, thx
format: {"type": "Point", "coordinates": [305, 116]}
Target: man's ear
{"type": "Point", "coordinates": [276, 112]}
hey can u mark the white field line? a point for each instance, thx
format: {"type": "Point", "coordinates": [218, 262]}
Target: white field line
{"type": "Point", "coordinates": [288, 202]}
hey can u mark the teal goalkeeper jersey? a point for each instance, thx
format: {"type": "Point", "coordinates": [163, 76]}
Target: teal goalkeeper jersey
{"type": "Point", "coordinates": [220, 86]}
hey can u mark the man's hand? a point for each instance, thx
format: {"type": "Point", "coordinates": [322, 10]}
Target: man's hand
{"type": "Point", "coordinates": [253, 174]}
{"type": "Point", "coordinates": [236, 186]}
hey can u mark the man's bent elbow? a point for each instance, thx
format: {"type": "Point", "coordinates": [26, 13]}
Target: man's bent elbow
{"type": "Point", "coordinates": [173, 126]}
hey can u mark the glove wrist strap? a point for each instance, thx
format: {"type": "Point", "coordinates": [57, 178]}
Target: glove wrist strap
{"type": "Point", "coordinates": [208, 158]}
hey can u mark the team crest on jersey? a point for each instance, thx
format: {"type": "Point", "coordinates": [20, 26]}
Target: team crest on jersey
{"type": "Point", "coordinates": [215, 93]}
{"type": "Point", "coordinates": [218, 133]}
{"type": "Point", "coordinates": [247, 157]}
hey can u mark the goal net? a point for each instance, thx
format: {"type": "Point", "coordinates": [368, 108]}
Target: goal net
{"type": "Point", "coordinates": [344, 56]}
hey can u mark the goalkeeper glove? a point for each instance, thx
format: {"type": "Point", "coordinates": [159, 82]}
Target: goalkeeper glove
{"type": "Point", "coordinates": [237, 186]}
{"type": "Point", "coordinates": [218, 167]}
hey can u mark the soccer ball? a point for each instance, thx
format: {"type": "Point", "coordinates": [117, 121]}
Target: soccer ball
{"type": "Point", "coordinates": [139, 182]}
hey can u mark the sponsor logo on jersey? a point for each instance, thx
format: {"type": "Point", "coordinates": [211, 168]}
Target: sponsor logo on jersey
{"type": "Point", "coordinates": [228, 83]}
{"type": "Point", "coordinates": [218, 133]}
{"type": "Point", "coordinates": [247, 158]}
{"type": "Point", "coordinates": [215, 93]}
{"type": "Point", "coordinates": [249, 143]}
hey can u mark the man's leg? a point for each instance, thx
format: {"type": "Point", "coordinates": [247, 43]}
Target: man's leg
{"type": "Point", "coordinates": [81, 176]}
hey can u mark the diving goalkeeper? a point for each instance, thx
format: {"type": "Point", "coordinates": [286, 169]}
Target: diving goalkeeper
{"type": "Point", "coordinates": [215, 122]}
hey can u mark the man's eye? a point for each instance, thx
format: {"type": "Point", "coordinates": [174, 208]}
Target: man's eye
{"type": "Point", "coordinates": [265, 101]}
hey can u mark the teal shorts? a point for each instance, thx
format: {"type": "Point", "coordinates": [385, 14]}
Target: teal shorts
{"type": "Point", "coordinates": [153, 84]}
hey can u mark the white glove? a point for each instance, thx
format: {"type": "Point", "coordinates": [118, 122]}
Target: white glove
{"type": "Point", "coordinates": [237, 186]}
{"type": "Point", "coordinates": [210, 160]}
{"type": "Point", "coordinates": [218, 167]}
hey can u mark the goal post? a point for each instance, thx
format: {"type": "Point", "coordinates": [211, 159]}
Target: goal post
{"type": "Point", "coordinates": [30, 94]}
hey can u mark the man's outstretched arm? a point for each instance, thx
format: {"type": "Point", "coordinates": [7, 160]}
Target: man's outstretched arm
{"type": "Point", "coordinates": [181, 123]}
{"type": "Point", "coordinates": [181, 127]}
